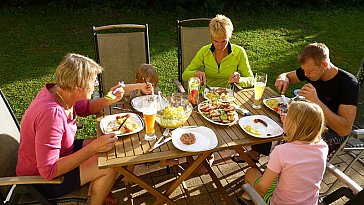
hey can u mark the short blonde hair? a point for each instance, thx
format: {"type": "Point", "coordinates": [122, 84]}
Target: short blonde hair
{"type": "Point", "coordinates": [148, 72]}
{"type": "Point", "coordinates": [305, 122]}
{"type": "Point", "coordinates": [76, 71]}
{"type": "Point", "coordinates": [316, 51]}
{"type": "Point", "coordinates": [221, 26]}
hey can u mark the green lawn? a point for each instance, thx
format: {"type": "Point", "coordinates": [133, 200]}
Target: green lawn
{"type": "Point", "coordinates": [35, 39]}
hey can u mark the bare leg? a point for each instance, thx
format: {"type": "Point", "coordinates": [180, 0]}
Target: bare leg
{"type": "Point", "coordinates": [101, 180]}
{"type": "Point", "coordinates": [251, 175]}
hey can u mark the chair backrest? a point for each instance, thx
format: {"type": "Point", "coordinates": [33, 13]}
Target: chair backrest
{"type": "Point", "coordinates": [120, 49]}
{"type": "Point", "coordinates": [9, 141]}
{"type": "Point", "coordinates": [359, 120]}
{"type": "Point", "coordinates": [192, 34]}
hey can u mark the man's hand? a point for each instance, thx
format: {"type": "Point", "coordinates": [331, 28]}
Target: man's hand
{"type": "Point", "coordinates": [281, 83]}
{"type": "Point", "coordinates": [201, 75]}
{"type": "Point", "coordinates": [309, 92]}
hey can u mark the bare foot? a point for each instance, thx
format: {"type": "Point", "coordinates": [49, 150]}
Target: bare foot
{"type": "Point", "coordinates": [110, 200]}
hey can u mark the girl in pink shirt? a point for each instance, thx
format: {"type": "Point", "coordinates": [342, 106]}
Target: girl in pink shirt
{"type": "Point", "coordinates": [295, 169]}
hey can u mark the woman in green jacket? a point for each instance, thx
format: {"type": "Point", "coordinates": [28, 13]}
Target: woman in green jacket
{"type": "Point", "coordinates": [221, 63]}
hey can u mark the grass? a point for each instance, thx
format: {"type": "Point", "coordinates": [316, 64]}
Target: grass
{"type": "Point", "coordinates": [34, 39]}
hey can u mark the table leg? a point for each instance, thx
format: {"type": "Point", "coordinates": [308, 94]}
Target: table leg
{"type": "Point", "coordinates": [217, 182]}
{"type": "Point", "coordinates": [132, 177]}
{"type": "Point", "coordinates": [245, 156]}
{"type": "Point", "coordinates": [191, 168]}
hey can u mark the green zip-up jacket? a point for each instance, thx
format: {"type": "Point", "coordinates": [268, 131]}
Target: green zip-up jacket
{"type": "Point", "coordinates": [218, 75]}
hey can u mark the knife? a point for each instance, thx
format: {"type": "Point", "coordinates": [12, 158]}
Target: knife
{"type": "Point", "coordinates": [158, 142]}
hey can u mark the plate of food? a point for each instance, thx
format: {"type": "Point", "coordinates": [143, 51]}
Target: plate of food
{"type": "Point", "coordinates": [218, 93]}
{"type": "Point", "coordinates": [260, 126]}
{"type": "Point", "coordinates": [122, 124]}
{"type": "Point", "coordinates": [194, 139]}
{"type": "Point", "coordinates": [217, 112]}
{"type": "Point", "coordinates": [138, 102]}
{"type": "Point", "coordinates": [275, 104]}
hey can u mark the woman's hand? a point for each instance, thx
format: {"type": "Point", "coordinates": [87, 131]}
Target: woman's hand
{"type": "Point", "coordinates": [118, 91]}
{"type": "Point", "coordinates": [103, 143]}
{"type": "Point", "coordinates": [201, 75]}
{"type": "Point", "coordinates": [235, 78]}
{"type": "Point", "coordinates": [147, 88]}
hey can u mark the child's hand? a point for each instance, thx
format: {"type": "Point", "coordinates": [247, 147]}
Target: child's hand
{"type": "Point", "coordinates": [147, 88]}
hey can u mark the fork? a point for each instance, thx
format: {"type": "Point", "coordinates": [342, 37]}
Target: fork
{"type": "Point", "coordinates": [158, 142]}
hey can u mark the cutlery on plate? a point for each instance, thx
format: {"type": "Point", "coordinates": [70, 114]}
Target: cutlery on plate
{"type": "Point", "coordinates": [158, 142]}
{"type": "Point", "coordinates": [284, 98]}
{"type": "Point", "coordinates": [122, 123]}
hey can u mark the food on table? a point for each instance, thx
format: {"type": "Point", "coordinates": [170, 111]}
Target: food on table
{"type": "Point", "coordinates": [188, 138]}
{"type": "Point", "coordinates": [277, 106]}
{"type": "Point", "coordinates": [219, 93]}
{"type": "Point", "coordinates": [173, 117]}
{"type": "Point", "coordinates": [250, 129]}
{"type": "Point", "coordinates": [222, 112]}
{"type": "Point", "coordinates": [261, 121]}
{"type": "Point", "coordinates": [127, 127]}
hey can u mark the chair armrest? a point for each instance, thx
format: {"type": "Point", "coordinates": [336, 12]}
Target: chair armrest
{"type": "Point", "coordinates": [180, 87]}
{"type": "Point", "coordinates": [343, 178]}
{"type": "Point", "coordinates": [357, 133]}
{"type": "Point", "coordinates": [28, 180]}
{"type": "Point", "coordinates": [255, 197]}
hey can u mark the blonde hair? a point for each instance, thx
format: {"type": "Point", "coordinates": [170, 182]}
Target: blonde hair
{"type": "Point", "coordinates": [221, 26]}
{"type": "Point", "coordinates": [305, 122]}
{"type": "Point", "coordinates": [316, 51]}
{"type": "Point", "coordinates": [147, 72]}
{"type": "Point", "coordinates": [76, 71]}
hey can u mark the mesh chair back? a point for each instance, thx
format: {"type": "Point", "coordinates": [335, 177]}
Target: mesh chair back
{"type": "Point", "coordinates": [8, 122]}
{"type": "Point", "coordinates": [190, 38]}
{"type": "Point", "coordinates": [359, 120]}
{"type": "Point", "coordinates": [9, 141]}
{"type": "Point", "coordinates": [120, 49]}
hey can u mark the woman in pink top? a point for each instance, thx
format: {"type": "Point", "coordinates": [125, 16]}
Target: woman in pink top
{"type": "Point", "coordinates": [47, 136]}
{"type": "Point", "coordinates": [295, 169]}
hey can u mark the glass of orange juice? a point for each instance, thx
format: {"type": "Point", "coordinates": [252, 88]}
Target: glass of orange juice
{"type": "Point", "coordinates": [149, 115]}
{"type": "Point", "coordinates": [260, 81]}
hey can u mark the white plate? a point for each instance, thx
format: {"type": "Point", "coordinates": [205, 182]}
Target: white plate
{"type": "Point", "coordinates": [205, 139]}
{"type": "Point", "coordinates": [133, 118]}
{"type": "Point", "coordinates": [230, 96]}
{"type": "Point", "coordinates": [137, 103]}
{"type": "Point", "coordinates": [236, 116]}
{"type": "Point", "coordinates": [279, 99]}
{"type": "Point", "coordinates": [271, 130]}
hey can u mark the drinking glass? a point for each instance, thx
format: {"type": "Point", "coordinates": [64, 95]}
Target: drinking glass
{"type": "Point", "coordinates": [260, 82]}
{"type": "Point", "coordinates": [149, 115]}
{"type": "Point", "coordinates": [193, 90]}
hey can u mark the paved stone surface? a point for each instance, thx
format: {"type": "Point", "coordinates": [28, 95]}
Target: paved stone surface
{"type": "Point", "coordinates": [201, 189]}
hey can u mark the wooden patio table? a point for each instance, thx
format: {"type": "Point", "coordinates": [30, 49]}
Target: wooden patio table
{"type": "Point", "coordinates": [132, 149]}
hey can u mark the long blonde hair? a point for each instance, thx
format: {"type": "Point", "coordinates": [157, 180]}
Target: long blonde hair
{"type": "Point", "coordinates": [221, 26]}
{"type": "Point", "coordinates": [305, 122]}
{"type": "Point", "coordinates": [76, 71]}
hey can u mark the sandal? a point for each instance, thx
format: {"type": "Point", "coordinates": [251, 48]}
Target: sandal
{"type": "Point", "coordinates": [236, 158]}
